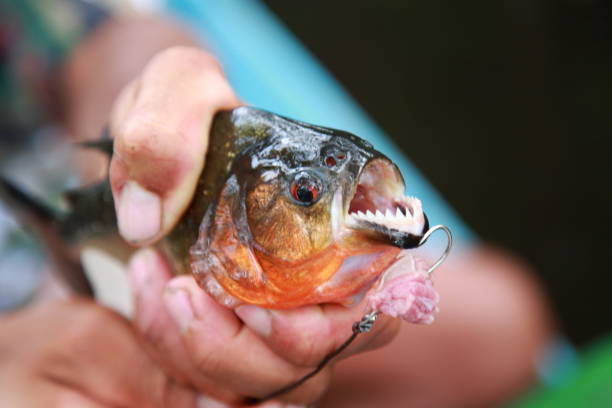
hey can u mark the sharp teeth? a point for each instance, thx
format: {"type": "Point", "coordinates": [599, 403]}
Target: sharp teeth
{"type": "Point", "coordinates": [402, 213]}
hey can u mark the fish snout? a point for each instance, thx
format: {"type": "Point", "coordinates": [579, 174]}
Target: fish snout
{"type": "Point", "coordinates": [380, 209]}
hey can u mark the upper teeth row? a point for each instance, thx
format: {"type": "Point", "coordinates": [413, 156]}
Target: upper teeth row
{"type": "Point", "coordinates": [379, 216]}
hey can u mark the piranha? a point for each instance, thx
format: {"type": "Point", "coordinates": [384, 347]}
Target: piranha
{"type": "Point", "coordinates": [285, 214]}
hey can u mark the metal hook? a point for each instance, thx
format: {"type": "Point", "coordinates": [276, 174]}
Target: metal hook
{"type": "Point", "coordinates": [424, 239]}
{"type": "Point", "coordinates": [367, 321]}
{"type": "Point", "coordinates": [449, 245]}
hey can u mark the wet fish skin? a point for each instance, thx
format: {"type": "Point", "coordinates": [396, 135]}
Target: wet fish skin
{"type": "Point", "coordinates": [284, 214]}
{"type": "Point", "coordinates": [256, 243]}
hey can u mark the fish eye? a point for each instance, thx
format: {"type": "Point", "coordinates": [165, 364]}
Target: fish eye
{"type": "Point", "coordinates": [305, 189]}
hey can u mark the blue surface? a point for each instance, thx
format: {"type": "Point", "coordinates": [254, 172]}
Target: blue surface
{"type": "Point", "coordinates": [270, 69]}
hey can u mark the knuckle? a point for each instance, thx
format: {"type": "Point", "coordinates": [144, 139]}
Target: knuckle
{"type": "Point", "coordinates": [302, 344]}
{"type": "Point", "coordinates": [182, 60]}
{"type": "Point", "coordinates": [306, 351]}
{"type": "Point", "coordinates": [86, 320]}
{"type": "Point", "coordinates": [88, 317]}
{"type": "Point", "coordinates": [308, 355]}
{"type": "Point", "coordinates": [152, 335]}
{"type": "Point", "coordinates": [188, 55]}
{"type": "Point", "coordinates": [139, 134]}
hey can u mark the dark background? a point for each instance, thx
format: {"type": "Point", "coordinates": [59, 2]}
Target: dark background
{"type": "Point", "coordinates": [506, 107]}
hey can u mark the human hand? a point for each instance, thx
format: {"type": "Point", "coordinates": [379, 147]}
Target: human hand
{"type": "Point", "coordinates": [161, 123]}
{"type": "Point", "coordinates": [79, 354]}
{"type": "Point", "coordinates": [233, 357]}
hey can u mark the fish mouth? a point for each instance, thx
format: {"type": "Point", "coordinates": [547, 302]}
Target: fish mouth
{"type": "Point", "coordinates": [380, 208]}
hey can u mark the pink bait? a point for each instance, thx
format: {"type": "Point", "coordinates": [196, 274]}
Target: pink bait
{"type": "Point", "coordinates": [407, 292]}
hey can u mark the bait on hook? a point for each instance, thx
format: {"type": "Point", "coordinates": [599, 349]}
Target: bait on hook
{"type": "Point", "coordinates": [367, 321]}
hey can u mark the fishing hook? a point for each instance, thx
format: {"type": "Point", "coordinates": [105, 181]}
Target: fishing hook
{"type": "Point", "coordinates": [367, 321]}
{"type": "Point", "coordinates": [449, 244]}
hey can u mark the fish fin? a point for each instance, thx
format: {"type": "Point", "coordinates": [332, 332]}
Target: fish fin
{"type": "Point", "coordinates": [91, 211]}
{"type": "Point", "coordinates": [44, 222]}
{"type": "Point", "coordinates": [22, 203]}
{"type": "Point", "coordinates": [86, 196]}
{"type": "Point", "coordinates": [104, 144]}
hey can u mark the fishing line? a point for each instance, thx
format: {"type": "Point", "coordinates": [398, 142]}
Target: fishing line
{"type": "Point", "coordinates": [364, 325]}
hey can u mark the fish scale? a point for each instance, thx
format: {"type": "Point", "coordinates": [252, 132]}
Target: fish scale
{"type": "Point", "coordinates": [248, 236]}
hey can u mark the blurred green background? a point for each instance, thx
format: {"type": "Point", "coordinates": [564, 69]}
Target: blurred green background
{"type": "Point", "coordinates": [505, 107]}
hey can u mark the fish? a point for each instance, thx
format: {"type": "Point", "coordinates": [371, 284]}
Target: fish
{"type": "Point", "coordinates": [285, 214]}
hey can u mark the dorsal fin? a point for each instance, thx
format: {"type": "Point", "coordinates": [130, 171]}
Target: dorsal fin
{"type": "Point", "coordinates": [104, 144]}
{"type": "Point", "coordinates": [88, 196]}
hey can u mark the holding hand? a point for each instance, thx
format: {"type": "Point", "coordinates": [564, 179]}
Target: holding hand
{"type": "Point", "coordinates": [248, 354]}
{"type": "Point", "coordinates": [79, 354]}
{"type": "Point", "coordinates": [160, 124]}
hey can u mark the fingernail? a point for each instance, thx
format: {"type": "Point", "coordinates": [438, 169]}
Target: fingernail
{"type": "Point", "coordinates": [138, 213]}
{"type": "Point", "coordinates": [204, 401]}
{"type": "Point", "coordinates": [141, 279]}
{"type": "Point", "coordinates": [257, 319]}
{"type": "Point", "coordinates": [139, 268]}
{"type": "Point", "coordinates": [179, 305]}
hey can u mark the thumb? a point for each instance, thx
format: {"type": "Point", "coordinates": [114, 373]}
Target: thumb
{"type": "Point", "coordinates": [160, 124]}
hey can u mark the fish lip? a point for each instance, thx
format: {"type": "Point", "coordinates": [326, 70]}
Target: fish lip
{"type": "Point", "coordinates": [379, 208]}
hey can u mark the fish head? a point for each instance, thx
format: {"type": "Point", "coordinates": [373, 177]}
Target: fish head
{"type": "Point", "coordinates": [307, 215]}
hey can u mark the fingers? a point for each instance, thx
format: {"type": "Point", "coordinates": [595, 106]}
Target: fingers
{"type": "Point", "coordinates": [206, 343]}
{"type": "Point", "coordinates": [112, 365]}
{"type": "Point", "coordinates": [209, 346]}
{"type": "Point", "coordinates": [306, 335]}
{"type": "Point", "coordinates": [221, 347]}
{"type": "Point", "coordinates": [149, 276]}
{"type": "Point", "coordinates": [78, 351]}
{"type": "Point", "coordinates": [160, 124]}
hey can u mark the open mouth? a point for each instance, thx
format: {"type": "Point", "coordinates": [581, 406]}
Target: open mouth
{"type": "Point", "coordinates": [379, 206]}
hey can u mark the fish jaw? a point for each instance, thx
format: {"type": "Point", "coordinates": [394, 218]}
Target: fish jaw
{"type": "Point", "coordinates": [236, 276]}
{"type": "Point", "coordinates": [379, 208]}
{"type": "Point", "coordinates": [356, 275]}
{"type": "Point", "coordinates": [373, 229]}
